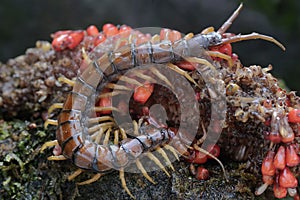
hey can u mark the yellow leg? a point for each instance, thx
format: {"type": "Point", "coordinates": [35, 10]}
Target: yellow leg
{"type": "Point", "coordinates": [221, 55]}
{"type": "Point", "coordinates": [66, 80]}
{"type": "Point", "coordinates": [111, 94]}
{"type": "Point", "coordinates": [173, 150]}
{"type": "Point", "coordinates": [100, 119]}
{"type": "Point", "coordinates": [182, 72]}
{"type": "Point", "coordinates": [142, 169]}
{"type": "Point", "coordinates": [123, 133]}
{"type": "Point", "coordinates": [155, 39]}
{"type": "Point", "coordinates": [55, 106]}
{"type": "Point", "coordinates": [96, 137]}
{"type": "Point", "coordinates": [102, 125]}
{"type": "Point", "coordinates": [165, 156]}
{"type": "Point", "coordinates": [200, 61]}
{"type": "Point", "coordinates": [91, 180]}
{"type": "Point", "coordinates": [99, 109]}
{"type": "Point", "coordinates": [189, 36]}
{"type": "Point", "coordinates": [208, 30]}
{"type": "Point", "coordinates": [48, 144]}
{"type": "Point", "coordinates": [75, 174]}
{"type": "Point", "coordinates": [130, 80]}
{"type": "Point", "coordinates": [135, 128]}
{"type": "Point", "coordinates": [122, 177]}
{"type": "Point", "coordinates": [50, 121]}
{"type": "Point", "coordinates": [117, 87]}
{"type": "Point", "coordinates": [106, 138]}
{"type": "Point", "coordinates": [161, 76]}
{"type": "Point", "coordinates": [156, 161]}
{"type": "Point", "coordinates": [145, 77]}
{"type": "Point", "coordinates": [57, 158]}
{"type": "Point", "coordinates": [85, 57]}
{"type": "Point", "coordinates": [116, 137]}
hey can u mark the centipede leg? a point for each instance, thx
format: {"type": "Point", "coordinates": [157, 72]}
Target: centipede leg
{"type": "Point", "coordinates": [221, 55]}
{"type": "Point", "coordinates": [110, 108]}
{"type": "Point", "coordinates": [91, 180]}
{"type": "Point", "coordinates": [155, 39]}
{"type": "Point", "coordinates": [173, 150]}
{"type": "Point", "coordinates": [156, 161]}
{"type": "Point", "coordinates": [130, 80]}
{"type": "Point", "coordinates": [117, 87]}
{"type": "Point", "coordinates": [165, 156]}
{"type": "Point", "coordinates": [59, 157]}
{"type": "Point", "coordinates": [182, 72]}
{"type": "Point", "coordinates": [145, 77]}
{"type": "Point", "coordinates": [107, 135]}
{"type": "Point", "coordinates": [188, 36]}
{"type": "Point", "coordinates": [50, 121]}
{"type": "Point", "coordinates": [75, 174]}
{"type": "Point", "coordinates": [142, 169]}
{"type": "Point", "coordinates": [122, 177]}
{"type": "Point", "coordinates": [208, 30]}
{"type": "Point", "coordinates": [200, 61]}
{"type": "Point", "coordinates": [100, 119]}
{"type": "Point", "coordinates": [48, 144]}
{"type": "Point", "coordinates": [161, 76]}
{"type": "Point", "coordinates": [66, 80]}
{"type": "Point", "coordinates": [55, 106]}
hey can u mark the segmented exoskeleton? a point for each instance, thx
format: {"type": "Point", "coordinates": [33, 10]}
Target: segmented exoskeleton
{"type": "Point", "coordinates": [73, 134]}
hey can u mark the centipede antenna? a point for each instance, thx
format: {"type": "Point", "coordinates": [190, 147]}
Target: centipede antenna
{"type": "Point", "coordinates": [212, 156]}
{"type": "Point", "coordinates": [229, 21]}
{"type": "Point", "coordinates": [252, 36]}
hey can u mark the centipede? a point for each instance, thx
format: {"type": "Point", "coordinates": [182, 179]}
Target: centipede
{"type": "Point", "coordinates": [88, 131]}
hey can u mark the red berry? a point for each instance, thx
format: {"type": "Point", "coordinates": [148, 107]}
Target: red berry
{"type": "Point", "coordinates": [279, 192]}
{"type": "Point", "coordinates": [142, 93]}
{"type": "Point", "coordinates": [186, 65]}
{"type": "Point", "coordinates": [202, 173]}
{"type": "Point", "coordinates": [214, 150]}
{"type": "Point", "coordinates": [294, 116]}
{"type": "Point", "coordinates": [292, 159]}
{"type": "Point", "coordinates": [287, 179]}
{"type": "Point", "coordinates": [92, 30]}
{"type": "Point", "coordinates": [279, 159]}
{"type": "Point", "coordinates": [75, 38]}
{"type": "Point", "coordinates": [99, 39]}
{"type": "Point", "coordinates": [110, 30]}
{"type": "Point", "coordinates": [268, 167]}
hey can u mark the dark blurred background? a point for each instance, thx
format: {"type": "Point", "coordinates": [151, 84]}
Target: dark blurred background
{"type": "Point", "coordinates": [24, 22]}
